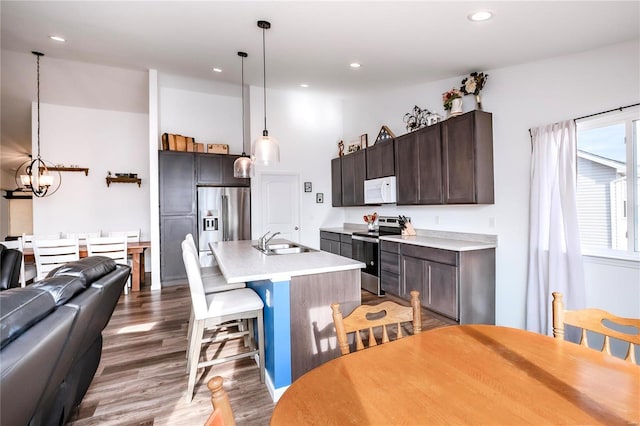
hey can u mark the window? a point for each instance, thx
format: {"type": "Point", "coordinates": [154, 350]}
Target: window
{"type": "Point", "coordinates": [608, 167]}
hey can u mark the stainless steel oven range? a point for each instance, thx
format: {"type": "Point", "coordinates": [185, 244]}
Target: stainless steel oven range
{"type": "Point", "coordinates": [364, 247]}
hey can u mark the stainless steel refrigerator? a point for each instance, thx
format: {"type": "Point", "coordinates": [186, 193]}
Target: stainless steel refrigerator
{"type": "Point", "coordinates": [224, 214]}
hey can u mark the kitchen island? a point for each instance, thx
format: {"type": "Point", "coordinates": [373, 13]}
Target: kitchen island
{"type": "Point", "coordinates": [297, 291]}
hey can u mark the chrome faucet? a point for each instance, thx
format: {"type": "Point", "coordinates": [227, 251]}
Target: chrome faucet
{"type": "Point", "coordinates": [263, 241]}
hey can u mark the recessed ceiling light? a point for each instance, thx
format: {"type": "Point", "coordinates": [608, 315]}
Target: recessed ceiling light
{"type": "Point", "coordinates": [304, 85]}
{"type": "Point", "coordinates": [354, 65]}
{"type": "Point", "coordinates": [57, 38]}
{"type": "Point", "coordinates": [217, 70]}
{"type": "Point", "coordinates": [481, 15]}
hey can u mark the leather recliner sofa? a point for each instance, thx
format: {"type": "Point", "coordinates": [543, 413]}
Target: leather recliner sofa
{"type": "Point", "coordinates": [51, 339]}
{"type": "Point", "coordinates": [10, 261]}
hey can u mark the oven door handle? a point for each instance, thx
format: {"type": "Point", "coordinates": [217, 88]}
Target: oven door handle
{"type": "Point", "coordinates": [365, 239]}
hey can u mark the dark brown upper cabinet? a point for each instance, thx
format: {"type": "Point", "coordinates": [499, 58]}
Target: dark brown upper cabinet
{"type": "Point", "coordinates": [418, 167]}
{"type": "Point", "coordinates": [354, 172]}
{"type": "Point", "coordinates": [217, 169]}
{"type": "Point", "coordinates": [336, 182]}
{"type": "Point", "coordinates": [381, 160]}
{"type": "Point", "coordinates": [447, 163]}
{"type": "Point", "coordinates": [467, 158]}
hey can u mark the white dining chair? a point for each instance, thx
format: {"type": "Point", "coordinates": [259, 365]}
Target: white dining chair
{"type": "Point", "coordinates": [17, 245]}
{"type": "Point", "coordinates": [82, 236]}
{"type": "Point", "coordinates": [132, 236]}
{"type": "Point", "coordinates": [49, 254]}
{"type": "Point", "coordinates": [27, 239]}
{"type": "Point", "coordinates": [213, 283]}
{"type": "Point", "coordinates": [213, 310]}
{"type": "Point", "coordinates": [112, 247]}
{"type": "Point", "coordinates": [205, 271]}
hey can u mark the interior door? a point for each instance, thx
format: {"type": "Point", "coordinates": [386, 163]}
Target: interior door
{"type": "Point", "coordinates": [280, 205]}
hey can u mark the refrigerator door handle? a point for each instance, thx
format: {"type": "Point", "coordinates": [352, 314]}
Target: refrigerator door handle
{"type": "Point", "coordinates": [225, 218]}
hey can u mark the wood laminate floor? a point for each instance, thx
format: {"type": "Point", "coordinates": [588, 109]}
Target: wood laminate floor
{"type": "Point", "coordinates": [142, 375]}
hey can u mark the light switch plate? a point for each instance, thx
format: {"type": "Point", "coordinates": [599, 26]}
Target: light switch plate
{"type": "Point", "coordinates": [319, 197]}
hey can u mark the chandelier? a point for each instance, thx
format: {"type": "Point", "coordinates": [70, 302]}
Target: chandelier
{"type": "Point", "coordinates": [34, 173]}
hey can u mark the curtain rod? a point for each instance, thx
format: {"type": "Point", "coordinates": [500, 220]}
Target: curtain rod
{"type": "Point", "coordinates": [605, 112]}
{"type": "Point", "coordinates": [597, 113]}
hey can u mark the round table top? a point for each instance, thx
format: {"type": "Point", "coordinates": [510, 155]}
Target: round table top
{"type": "Point", "coordinates": [470, 374]}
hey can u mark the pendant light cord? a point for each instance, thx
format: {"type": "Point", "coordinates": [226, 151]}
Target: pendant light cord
{"type": "Point", "coordinates": [243, 137]}
{"type": "Point", "coordinates": [264, 81]}
{"type": "Point", "coordinates": [38, 98]}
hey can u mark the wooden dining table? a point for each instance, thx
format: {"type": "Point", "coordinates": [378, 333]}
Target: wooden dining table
{"type": "Point", "coordinates": [469, 374]}
{"type": "Point", "coordinates": [136, 250]}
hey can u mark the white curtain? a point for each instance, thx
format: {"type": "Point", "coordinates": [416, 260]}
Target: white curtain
{"type": "Point", "coordinates": [555, 261]}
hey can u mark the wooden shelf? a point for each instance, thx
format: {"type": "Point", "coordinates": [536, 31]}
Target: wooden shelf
{"type": "Point", "coordinates": [123, 180]}
{"type": "Point", "coordinates": [69, 169]}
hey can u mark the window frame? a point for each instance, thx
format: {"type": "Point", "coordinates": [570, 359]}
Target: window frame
{"type": "Point", "coordinates": [631, 118]}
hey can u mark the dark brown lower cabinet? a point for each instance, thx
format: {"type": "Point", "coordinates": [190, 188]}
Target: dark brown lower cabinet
{"type": "Point", "coordinates": [330, 242]}
{"type": "Point", "coordinates": [458, 285]}
{"type": "Point", "coordinates": [390, 267]}
{"type": "Point", "coordinates": [345, 245]}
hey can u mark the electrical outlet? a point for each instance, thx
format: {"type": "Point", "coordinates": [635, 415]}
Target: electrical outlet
{"type": "Point", "coordinates": [319, 197]}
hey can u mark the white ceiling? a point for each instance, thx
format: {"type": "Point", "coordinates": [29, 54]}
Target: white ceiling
{"type": "Point", "coordinates": [398, 43]}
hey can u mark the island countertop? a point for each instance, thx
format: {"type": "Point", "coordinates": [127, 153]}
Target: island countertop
{"type": "Point", "coordinates": [239, 261]}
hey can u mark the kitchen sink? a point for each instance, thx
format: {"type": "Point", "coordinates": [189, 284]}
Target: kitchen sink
{"type": "Point", "coordinates": [284, 248]}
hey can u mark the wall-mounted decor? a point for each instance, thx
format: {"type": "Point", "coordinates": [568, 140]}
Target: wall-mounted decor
{"type": "Point", "coordinates": [307, 187]}
{"type": "Point", "coordinates": [364, 142]}
{"type": "Point", "coordinates": [384, 134]}
{"type": "Point", "coordinates": [123, 178]}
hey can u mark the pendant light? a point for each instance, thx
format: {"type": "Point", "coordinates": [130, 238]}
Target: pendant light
{"type": "Point", "coordinates": [242, 167]}
{"type": "Point", "coordinates": [36, 175]}
{"type": "Point", "coordinates": [265, 149]}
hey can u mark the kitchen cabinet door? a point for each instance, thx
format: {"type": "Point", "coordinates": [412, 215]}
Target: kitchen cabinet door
{"type": "Point", "coordinates": [227, 172]}
{"type": "Point", "coordinates": [330, 242]}
{"type": "Point", "coordinates": [467, 159]}
{"type": "Point", "coordinates": [336, 182]}
{"type": "Point", "coordinates": [209, 169]}
{"type": "Point", "coordinates": [345, 245]}
{"type": "Point", "coordinates": [442, 289]}
{"type": "Point", "coordinates": [413, 276]}
{"type": "Point", "coordinates": [381, 160]}
{"type": "Point", "coordinates": [177, 183]}
{"type": "Point", "coordinates": [172, 232]}
{"type": "Point", "coordinates": [418, 167]}
{"type": "Point", "coordinates": [390, 267]}
{"type": "Point", "coordinates": [353, 176]}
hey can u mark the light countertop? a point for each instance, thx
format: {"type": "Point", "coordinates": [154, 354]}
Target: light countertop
{"type": "Point", "coordinates": [439, 243]}
{"type": "Point", "coordinates": [239, 261]}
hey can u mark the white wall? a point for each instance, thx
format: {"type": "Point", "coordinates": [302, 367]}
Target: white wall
{"type": "Point", "coordinates": [308, 127]}
{"type": "Point", "coordinates": [103, 141]}
{"type": "Point", "coordinates": [210, 118]}
{"type": "Point", "coordinates": [520, 97]}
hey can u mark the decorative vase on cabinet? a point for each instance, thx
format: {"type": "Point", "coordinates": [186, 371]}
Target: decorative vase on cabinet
{"type": "Point", "coordinates": [456, 107]}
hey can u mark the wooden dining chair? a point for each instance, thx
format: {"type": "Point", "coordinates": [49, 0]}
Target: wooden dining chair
{"type": "Point", "coordinates": [368, 317]}
{"type": "Point", "coordinates": [222, 412]}
{"type": "Point", "coordinates": [49, 254]}
{"type": "Point", "coordinates": [592, 319]}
